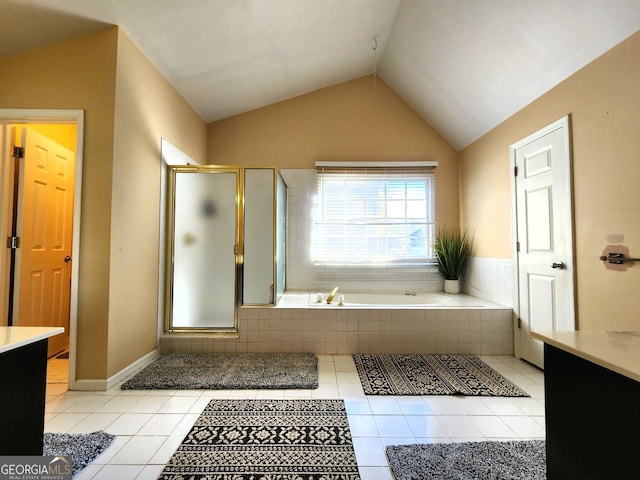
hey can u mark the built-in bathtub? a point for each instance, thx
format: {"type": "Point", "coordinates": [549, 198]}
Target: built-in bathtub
{"type": "Point", "coordinates": [386, 300]}
{"type": "Point", "coordinates": [366, 323]}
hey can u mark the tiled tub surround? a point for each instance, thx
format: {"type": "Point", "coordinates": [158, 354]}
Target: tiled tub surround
{"type": "Point", "coordinates": [295, 326]}
{"type": "Point", "coordinates": [489, 278]}
{"type": "Point", "coordinates": [303, 274]}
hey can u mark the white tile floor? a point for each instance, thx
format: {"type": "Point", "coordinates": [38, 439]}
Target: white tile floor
{"type": "Point", "coordinates": [151, 424]}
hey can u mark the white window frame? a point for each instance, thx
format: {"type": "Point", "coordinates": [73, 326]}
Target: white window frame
{"type": "Point", "coordinates": [375, 171]}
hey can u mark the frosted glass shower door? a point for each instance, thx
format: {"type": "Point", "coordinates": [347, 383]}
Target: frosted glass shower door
{"type": "Point", "coordinates": [204, 246]}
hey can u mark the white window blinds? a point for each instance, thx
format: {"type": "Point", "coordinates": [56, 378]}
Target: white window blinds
{"type": "Point", "coordinates": [375, 215]}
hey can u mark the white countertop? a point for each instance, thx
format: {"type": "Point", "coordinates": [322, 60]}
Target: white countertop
{"type": "Point", "coordinates": [15, 337]}
{"type": "Point", "coordinates": [617, 351]}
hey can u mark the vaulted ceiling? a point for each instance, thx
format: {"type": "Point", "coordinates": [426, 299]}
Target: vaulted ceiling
{"type": "Point", "coordinates": [463, 65]}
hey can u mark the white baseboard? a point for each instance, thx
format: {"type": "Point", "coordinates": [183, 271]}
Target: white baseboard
{"type": "Point", "coordinates": [103, 385]}
{"type": "Point", "coordinates": [88, 385]}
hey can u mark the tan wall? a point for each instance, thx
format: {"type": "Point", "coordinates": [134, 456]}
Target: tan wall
{"type": "Point", "coordinates": [147, 109]}
{"type": "Point", "coordinates": [603, 99]}
{"type": "Point", "coordinates": [356, 120]}
{"type": "Point", "coordinates": [128, 108]}
{"type": "Point", "coordinates": [79, 74]}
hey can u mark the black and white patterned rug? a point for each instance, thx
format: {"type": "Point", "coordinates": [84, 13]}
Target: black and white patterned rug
{"type": "Point", "coordinates": [83, 448]}
{"type": "Point", "coordinates": [432, 375]}
{"type": "Point", "coordinates": [223, 371]}
{"type": "Point", "coordinates": [513, 460]}
{"type": "Point", "coordinates": [267, 439]}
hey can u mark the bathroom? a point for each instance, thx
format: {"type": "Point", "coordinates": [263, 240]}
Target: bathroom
{"type": "Point", "coordinates": [473, 189]}
{"type": "Point", "coordinates": [358, 120]}
{"type": "Point", "coordinates": [116, 314]}
{"type": "Point", "coordinates": [397, 309]}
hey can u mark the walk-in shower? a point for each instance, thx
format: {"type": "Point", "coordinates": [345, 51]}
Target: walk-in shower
{"type": "Point", "coordinates": [225, 245]}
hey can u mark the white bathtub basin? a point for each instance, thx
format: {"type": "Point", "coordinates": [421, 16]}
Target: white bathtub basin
{"type": "Point", "coordinates": [385, 300]}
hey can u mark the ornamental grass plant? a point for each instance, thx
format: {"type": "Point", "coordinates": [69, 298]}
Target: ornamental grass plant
{"type": "Point", "coordinates": [452, 248]}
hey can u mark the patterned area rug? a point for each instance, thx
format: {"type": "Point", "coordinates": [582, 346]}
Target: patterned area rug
{"type": "Point", "coordinates": [514, 460]}
{"type": "Point", "coordinates": [432, 375]}
{"type": "Point", "coordinates": [83, 448]}
{"type": "Point", "coordinates": [267, 439]}
{"type": "Point", "coordinates": [223, 371]}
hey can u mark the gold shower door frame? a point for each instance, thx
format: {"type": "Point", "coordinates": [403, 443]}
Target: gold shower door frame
{"type": "Point", "coordinates": [172, 172]}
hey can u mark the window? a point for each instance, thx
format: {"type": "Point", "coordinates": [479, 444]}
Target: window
{"type": "Point", "coordinates": [375, 215]}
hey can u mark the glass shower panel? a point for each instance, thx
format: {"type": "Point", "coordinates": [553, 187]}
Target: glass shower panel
{"type": "Point", "coordinates": [281, 218]}
{"type": "Point", "coordinates": [204, 250]}
{"type": "Point", "coordinates": [258, 236]}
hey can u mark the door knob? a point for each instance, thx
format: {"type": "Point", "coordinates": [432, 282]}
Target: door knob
{"type": "Point", "coordinates": [558, 265]}
{"type": "Point", "coordinates": [67, 259]}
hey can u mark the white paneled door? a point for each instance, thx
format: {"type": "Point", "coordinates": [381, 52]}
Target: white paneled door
{"type": "Point", "coordinates": [544, 239]}
{"type": "Point", "coordinates": [45, 228]}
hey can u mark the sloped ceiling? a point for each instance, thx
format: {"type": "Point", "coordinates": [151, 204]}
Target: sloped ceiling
{"type": "Point", "coordinates": [464, 65]}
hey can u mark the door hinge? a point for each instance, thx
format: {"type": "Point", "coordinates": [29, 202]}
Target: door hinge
{"type": "Point", "coordinates": [517, 246]}
{"type": "Point", "coordinates": [18, 152]}
{"type": "Point", "coordinates": [515, 171]}
{"type": "Point", "coordinates": [13, 242]}
{"type": "Point", "coordinates": [519, 323]}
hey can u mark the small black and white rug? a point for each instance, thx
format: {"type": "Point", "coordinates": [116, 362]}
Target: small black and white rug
{"type": "Point", "coordinates": [267, 439]}
{"type": "Point", "coordinates": [83, 448]}
{"type": "Point", "coordinates": [431, 375]}
{"type": "Point", "coordinates": [513, 460]}
{"type": "Point", "coordinates": [225, 371]}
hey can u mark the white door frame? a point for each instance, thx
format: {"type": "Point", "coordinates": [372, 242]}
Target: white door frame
{"type": "Point", "coordinates": [9, 116]}
{"type": "Point", "coordinates": [569, 261]}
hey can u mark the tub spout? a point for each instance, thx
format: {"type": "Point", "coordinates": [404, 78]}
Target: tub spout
{"type": "Point", "coordinates": [332, 294]}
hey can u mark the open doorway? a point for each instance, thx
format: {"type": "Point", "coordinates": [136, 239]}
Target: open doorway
{"type": "Point", "coordinates": [40, 205]}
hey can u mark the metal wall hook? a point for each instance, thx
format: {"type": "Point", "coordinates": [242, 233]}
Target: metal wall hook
{"type": "Point", "coordinates": [617, 258]}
